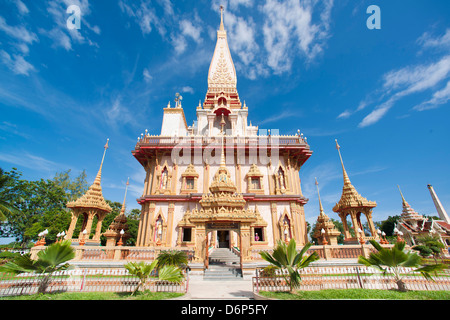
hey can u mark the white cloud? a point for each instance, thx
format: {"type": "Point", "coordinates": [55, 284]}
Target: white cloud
{"type": "Point", "coordinates": [16, 63]}
{"type": "Point", "coordinates": [344, 115]}
{"type": "Point", "coordinates": [119, 114]}
{"type": "Point", "coordinates": [147, 76]}
{"type": "Point", "coordinates": [179, 43]}
{"type": "Point", "coordinates": [376, 114]}
{"type": "Point", "coordinates": [187, 89]}
{"type": "Point", "coordinates": [428, 41]}
{"type": "Point", "coordinates": [19, 33]}
{"type": "Point", "coordinates": [407, 81]}
{"type": "Point", "coordinates": [281, 116]}
{"type": "Point", "coordinates": [289, 28]}
{"type": "Point", "coordinates": [21, 7]}
{"type": "Point", "coordinates": [439, 97]}
{"type": "Point", "coordinates": [144, 15]}
{"type": "Point", "coordinates": [60, 38]}
{"type": "Point", "coordinates": [418, 78]}
{"type": "Point", "coordinates": [31, 161]}
{"type": "Point", "coordinates": [188, 29]}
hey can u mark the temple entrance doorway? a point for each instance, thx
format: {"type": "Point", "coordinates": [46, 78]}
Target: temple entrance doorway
{"type": "Point", "coordinates": [223, 237]}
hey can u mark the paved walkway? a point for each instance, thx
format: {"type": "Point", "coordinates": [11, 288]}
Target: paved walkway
{"type": "Point", "coordinates": [217, 290]}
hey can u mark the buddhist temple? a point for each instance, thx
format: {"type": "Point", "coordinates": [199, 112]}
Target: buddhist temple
{"type": "Point", "coordinates": [353, 204]}
{"type": "Point", "coordinates": [221, 182]}
{"type": "Point", "coordinates": [325, 232]}
{"type": "Point", "coordinates": [90, 205]}
{"type": "Point", "coordinates": [117, 233]}
{"type": "Point", "coordinates": [413, 225]}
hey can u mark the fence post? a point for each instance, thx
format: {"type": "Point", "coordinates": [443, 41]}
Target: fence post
{"type": "Point", "coordinates": [359, 278]}
{"type": "Point", "coordinates": [187, 279]}
{"type": "Point", "coordinates": [83, 280]}
{"type": "Point", "coordinates": [257, 280]}
{"type": "Point", "coordinates": [78, 252]}
{"type": "Point", "coordinates": [117, 253]}
{"type": "Point", "coordinates": [326, 252]}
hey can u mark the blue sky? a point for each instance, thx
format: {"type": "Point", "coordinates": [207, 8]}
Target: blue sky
{"type": "Point", "coordinates": [308, 65]}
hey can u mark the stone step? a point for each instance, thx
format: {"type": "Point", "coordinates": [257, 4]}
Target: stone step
{"type": "Point", "coordinates": [223, 265]}
{"type": "Point", "coordinates": [222, 273]}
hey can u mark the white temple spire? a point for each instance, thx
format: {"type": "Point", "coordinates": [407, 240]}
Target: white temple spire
{"type": "Point", "coordinates": [440, 209]}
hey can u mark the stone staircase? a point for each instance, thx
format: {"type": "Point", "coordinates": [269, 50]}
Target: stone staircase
{"type": "Point", "coordinates": [223, 265]}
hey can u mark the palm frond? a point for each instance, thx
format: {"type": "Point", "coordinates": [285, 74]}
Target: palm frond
{"type": "Point", "coordinates": [171, 274]}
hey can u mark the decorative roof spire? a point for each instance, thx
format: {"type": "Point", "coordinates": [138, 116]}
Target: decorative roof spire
{"type": "Point", "coordinates": [320, 202]}
{"type": "Point", "coordinates": [221, 19]}
{"type": "Point", "coordinates": [325, 228]}
{"type": "Point", "coordinates": [405, 204]}
{"type": "Point", "coordinates": [346, 178]}
{"type": "Point", "coordinates": [350, 197]}
{"type": "Point", "coordinates": [222, 73]}
{"type": "Point", "coordinates": [408, 213]}
{"type": "Point", "coordinates": [98, 178]}
{"type": "Point", "coordinates": [93, 198]}
{"type": "Point", "coordinates": [122, 211]}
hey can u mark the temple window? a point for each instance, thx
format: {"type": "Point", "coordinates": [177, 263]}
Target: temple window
{"type": "Point", "coordinates": [189, 184]}
{"type": "Point", "coordinates": [256, 184]}
{"type": "Point", "coordinates": [259, 234]}
{"type": "Point", "coordinates": [254, 180]}
{"type": "Point", "coordinates": [187, 234]}
{"type": "Point", "coordinates": [189, 180]}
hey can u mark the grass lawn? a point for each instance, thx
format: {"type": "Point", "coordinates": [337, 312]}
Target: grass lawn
{"type": "Point", "coordinates": [97, 296]}
{"type": "Point", "coordinates": [358, 294]}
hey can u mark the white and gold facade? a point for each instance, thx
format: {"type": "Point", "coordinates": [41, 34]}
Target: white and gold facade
{"type": "Point", "coordinates": [220, 182]}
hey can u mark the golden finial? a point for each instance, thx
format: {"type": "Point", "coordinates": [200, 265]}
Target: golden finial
{"type": "Point", "coordinates": [403, 198]}
{"type": "Point", "coordinates": [221, 19]}
{"type": "Point", "coordinates": [318, 194]}
{"type": "Point", "coordinates": [104, 152]}
{"type": "Point", "coordinates": [122, 211]}
{"type": "Point", "coordinates": [346, 178]}
{"type": "Point", "coordinates": [99, 173]}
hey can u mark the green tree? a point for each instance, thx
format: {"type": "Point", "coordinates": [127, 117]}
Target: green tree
{"type": "Point", "coordinates": [39, 203]}
{"type": "Point", "coordinates": [286, 258]}
{"type": "Point", "coordinates": [6, 208]}
{"type": "Point", "coordinates": [144, 270]}
{"type": "Point", "coordinates": [74, 188]}
{"type": "Point", "coordinates": [133, 226]}
{"type": "Point", "coordinates": [429, 245]}
{"type": "Point", "coordinates": [175, 258]}
{"type": "Point", "coordinates": [393, 259]}
{"type": "Point", "coordinates": [53, 258]}
{"type": "Point", "coordinates": [388, 225]}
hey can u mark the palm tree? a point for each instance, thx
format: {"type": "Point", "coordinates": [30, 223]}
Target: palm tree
{"type": "Point", "coordinates": [286, 258]}
{"type": "Point", "coordinates": [143, 271]}
{"type": "Point", "coordinates": [391, 260]}
{"type": "Point", "coordinates": [52, 259]}
{"type": "Point", "coordinates": [176, 258]}
{"type": "Point", "coordinates": [5, 206]}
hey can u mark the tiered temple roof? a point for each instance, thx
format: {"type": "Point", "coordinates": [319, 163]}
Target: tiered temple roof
{"type": "Point", "coordinates": [350, 198]}
{"type": "Point", "coordinates": [93, 198]}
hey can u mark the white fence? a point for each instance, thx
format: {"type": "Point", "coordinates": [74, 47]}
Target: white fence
{"type": "Point", "coordinates": [319, 278]}
{"type": "Point", "coordinates": [84, 280]}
